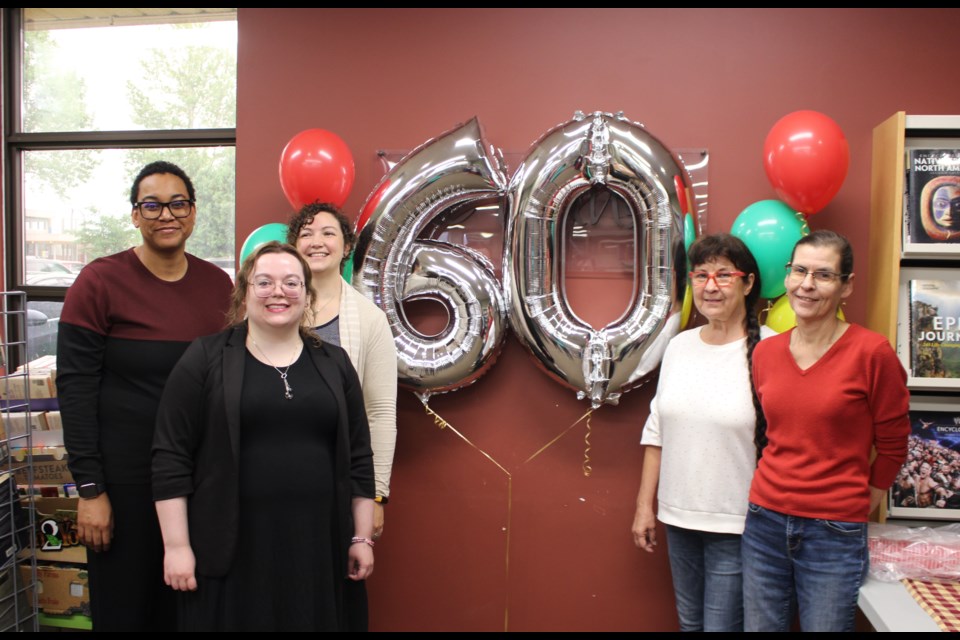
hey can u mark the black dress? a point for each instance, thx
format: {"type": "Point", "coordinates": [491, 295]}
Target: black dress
{"type": "Point", "coordinates": [283, 578]}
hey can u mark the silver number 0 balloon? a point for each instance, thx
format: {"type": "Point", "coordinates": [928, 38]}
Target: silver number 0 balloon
{"type": "Point", "coordinates": [608, 151]}
{"type": "Point", "coordinates": [391, 265]}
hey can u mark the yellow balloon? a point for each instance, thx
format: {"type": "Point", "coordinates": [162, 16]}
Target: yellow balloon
{"type": "Point", "coordinates": [780, 317]}
{"type": "Point", "coordinates": [687, 306]}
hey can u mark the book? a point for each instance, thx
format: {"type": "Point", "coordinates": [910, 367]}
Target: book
{"type": "Point", "coordinates": [930, 475]}
{"type": "Point", "coordinates": [933, 196]}
{"type": "Point", "coordinates": [934, 336]}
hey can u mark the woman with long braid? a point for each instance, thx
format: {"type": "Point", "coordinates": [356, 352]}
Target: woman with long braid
{"type": "Point", "coordinates": [701, 439]}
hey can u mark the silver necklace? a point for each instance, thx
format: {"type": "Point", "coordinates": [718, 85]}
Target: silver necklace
{"type": "Point", "coordinates": [287, 389]}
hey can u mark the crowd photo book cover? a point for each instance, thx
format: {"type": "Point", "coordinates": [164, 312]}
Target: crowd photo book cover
{"type": "Point", "coordinates": [928, 484]}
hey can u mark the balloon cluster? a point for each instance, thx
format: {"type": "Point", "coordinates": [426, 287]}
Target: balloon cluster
{"type": "Point", "coordinates": [805, 157]}
{"type": "Point", "coordinates": [597, 151]}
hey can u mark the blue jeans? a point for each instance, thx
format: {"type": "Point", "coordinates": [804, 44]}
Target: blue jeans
{"type": "Point", "coordinates": [707, 579]}
{"type": "Point", "coordinates": [812, 564]}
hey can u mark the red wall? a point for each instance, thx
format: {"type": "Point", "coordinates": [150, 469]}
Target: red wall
{"type": "Point", "coordinates": [536, 545]}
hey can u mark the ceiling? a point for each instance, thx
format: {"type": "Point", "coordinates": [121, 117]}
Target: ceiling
{"type": "Point", "coordinates": [70, 18]}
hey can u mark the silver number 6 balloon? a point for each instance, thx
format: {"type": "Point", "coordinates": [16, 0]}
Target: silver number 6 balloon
{"type": "Point", "coordinates": [596, 151]}
{"type": "Point", "coordinates": [391, 265]}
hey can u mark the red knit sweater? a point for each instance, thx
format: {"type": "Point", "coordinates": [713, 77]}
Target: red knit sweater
{"type": "Point", "coordinates": [822, 422]}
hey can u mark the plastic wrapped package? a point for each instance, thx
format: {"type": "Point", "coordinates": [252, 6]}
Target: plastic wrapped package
{"type": "Point", "coordinates": [921, 553]}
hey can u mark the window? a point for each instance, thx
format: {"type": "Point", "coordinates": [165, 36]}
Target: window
{"type": "Point", "coordinates": [93, 95]}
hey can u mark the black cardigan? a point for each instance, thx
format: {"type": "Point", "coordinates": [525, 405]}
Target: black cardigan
{"type": "Point", "coordinates": [195, 447]}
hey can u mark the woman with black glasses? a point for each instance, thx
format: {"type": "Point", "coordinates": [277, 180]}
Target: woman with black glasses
{"type": "Point", "coordinates": [832, 392]}
{"type": "Point", "coordinates": [262, 467]}
{"type": "Point", "coordinates": [700, 437]}
{"type": "Point", "coordinates": [126, 321]}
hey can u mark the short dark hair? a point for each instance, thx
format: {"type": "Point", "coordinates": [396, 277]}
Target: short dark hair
{"type": "Point", "coordinates": [308, 212]}
{"type": "Point", "coordinates": [732, 248]}
{"type": "Point", "coordinates": [833, 240]}
{"type": "Point", "coordinates": [160, 166]}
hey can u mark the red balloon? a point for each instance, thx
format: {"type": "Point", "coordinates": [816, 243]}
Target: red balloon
{"type": "Point", "coordinates": [806, 157]}
{"type": "Point", "coordinates": [316, 165]}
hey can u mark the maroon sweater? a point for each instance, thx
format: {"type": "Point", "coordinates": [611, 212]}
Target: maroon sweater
{"type": "Point", "coordinates": [122, 330]}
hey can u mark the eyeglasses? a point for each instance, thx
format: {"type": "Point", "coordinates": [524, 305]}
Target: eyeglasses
{"type": "Point", "coordinates": [151, 209]}
{"type": "Point", "coordinates": [721, 278]}
{"type": "Point", "coordinates": [264, 287]}
{"type": "Point", "coordinates": [796, 273]}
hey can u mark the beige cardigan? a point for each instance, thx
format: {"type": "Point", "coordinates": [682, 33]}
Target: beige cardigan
{"type": "Point", "coordinates": [365, 335]}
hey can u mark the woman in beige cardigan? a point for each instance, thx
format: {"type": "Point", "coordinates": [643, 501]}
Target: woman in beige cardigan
{"type": "Point", "coordinates": [343, 316]}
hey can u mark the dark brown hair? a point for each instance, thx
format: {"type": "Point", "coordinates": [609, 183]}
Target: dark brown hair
{"type": "Point", "coordinates": [732, 248]}
{"type": "Point", "coordinates": [306, 215]}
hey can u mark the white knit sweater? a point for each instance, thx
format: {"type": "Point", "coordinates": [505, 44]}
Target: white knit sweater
{"type": "Point", "coordinates": [703, 418]}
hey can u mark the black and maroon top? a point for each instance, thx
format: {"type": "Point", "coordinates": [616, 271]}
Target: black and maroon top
{"type": "Point", "coordinates": [122, 330]}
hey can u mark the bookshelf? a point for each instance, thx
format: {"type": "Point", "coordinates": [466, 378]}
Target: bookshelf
{"type": "Point", "coordinates": [895, 261]}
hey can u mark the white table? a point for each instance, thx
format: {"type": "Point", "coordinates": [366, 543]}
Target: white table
{"type": "Point", "coordinates": [890, 607]}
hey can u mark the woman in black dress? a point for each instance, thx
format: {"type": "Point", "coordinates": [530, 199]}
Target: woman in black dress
{"type": "Point", "coordinates": [262, 467]}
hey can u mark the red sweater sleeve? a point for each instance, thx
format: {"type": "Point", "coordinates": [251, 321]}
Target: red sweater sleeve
{"type": "Point", "coordinates": [889, 405]}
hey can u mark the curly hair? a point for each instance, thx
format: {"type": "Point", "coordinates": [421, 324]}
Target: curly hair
{"type": "Point", "coordinates": [308, 212]}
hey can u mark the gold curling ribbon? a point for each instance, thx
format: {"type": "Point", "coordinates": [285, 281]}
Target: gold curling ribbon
{"type": "Point", "coordinates": [443, 424]}
{"type": "Point", "coordinates": [546, 446]}
{"type": "Point", "coordinates": [587, 469]}
{"type": "Point", "coordinates": [762, 316]}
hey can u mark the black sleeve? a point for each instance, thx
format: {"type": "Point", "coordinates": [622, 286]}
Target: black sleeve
{"type": "Point", "coordinates": [361, 454]}
{"type": "Point", "coordinates": [80, 355]}
{"type": "Point", "coordinates": [180, 425]}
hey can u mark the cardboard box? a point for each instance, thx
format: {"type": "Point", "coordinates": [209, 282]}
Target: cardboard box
{"type": "Point", "coordinates": [16, 603]}
{"type": "Point", "coordinates": [49, 467]}
{"type": "Point", "coordinates": [16, 423]}
{"type": "Point", "coordinates": [53, 421]}
{"type": "Point", "coordinates": [56, 530]}
{"type": "Point", "coordinates": [40, 385]}
{"type": "Point", "coordinates": [12, 386]}
{"type": "Point", "coordinates": [61, 589]}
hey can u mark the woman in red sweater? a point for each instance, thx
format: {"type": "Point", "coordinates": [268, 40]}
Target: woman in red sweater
{"type": "Point", "coordinates": [831, 391]}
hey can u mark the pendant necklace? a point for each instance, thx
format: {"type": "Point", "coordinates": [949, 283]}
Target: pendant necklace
{"type": "Point", "coordinates": [287, 389]}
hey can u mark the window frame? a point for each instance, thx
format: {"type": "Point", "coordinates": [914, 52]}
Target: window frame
{"type": "Point", "coordinates": [17, 142]}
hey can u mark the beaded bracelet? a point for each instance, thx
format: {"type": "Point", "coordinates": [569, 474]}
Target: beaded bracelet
{"type": "Point", "coordinates": [363, 540]}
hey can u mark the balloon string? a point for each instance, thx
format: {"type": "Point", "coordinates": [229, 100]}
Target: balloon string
{"type": "Point", "coordinates": [544, 447]}
{"type": "Point", "coordinates": [506, 596]}
{"type": "Point", "coordinates": [443, 424]}
{"type": "Point", "coordinates": [761, 317]}
{"type": "Point", "coordinates": [587, 469]}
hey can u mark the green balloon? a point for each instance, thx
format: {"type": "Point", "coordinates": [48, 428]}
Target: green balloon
{"type": "Point", "coordinates": [262, 235]}
{"type": "Point", "coordinates": [770, 229]}
{"type": "Point", "coordinates": [347, 272]}
{"type": "Point", "coordinates": [689, 235]}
